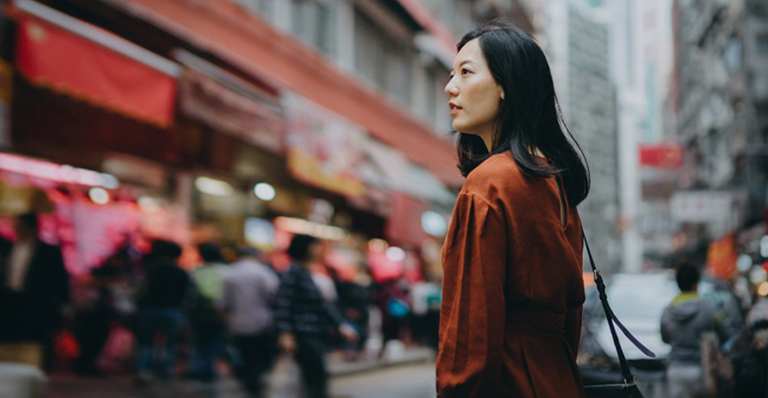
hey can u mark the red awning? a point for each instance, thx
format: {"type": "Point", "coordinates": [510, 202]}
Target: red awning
{"type": "Point", "coordinates": [65, 62]}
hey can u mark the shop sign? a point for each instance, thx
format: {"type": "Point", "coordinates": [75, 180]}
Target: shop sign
{"type": "Point", "coordinates": [702, 206]}
{"type": "Point", "coordinates": [324, 149]}
{"type": "Point", "coordinates": [239, 112]}
{"type": "Point", "coordinates": [721, 257]}
{"type": "Point", "coordinates": [665, 155]}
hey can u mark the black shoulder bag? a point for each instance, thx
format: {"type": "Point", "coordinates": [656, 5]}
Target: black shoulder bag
{"type": "Point", "coordinates": [627, 389]}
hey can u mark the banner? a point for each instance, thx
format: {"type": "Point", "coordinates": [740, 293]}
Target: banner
{"type": "Point", "coordinates": [324, 149]}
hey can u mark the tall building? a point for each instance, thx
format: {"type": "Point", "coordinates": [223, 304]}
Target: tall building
{"type": "Point", "coordinates": [577, 46]}
{"type": "Point", "coordinates": [641, 64]}
{"type": "Point", "coordinates": [718, 109]}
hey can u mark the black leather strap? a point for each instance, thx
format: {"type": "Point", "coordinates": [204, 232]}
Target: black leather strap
{"type": "Point", "coordinates": [612, 319]}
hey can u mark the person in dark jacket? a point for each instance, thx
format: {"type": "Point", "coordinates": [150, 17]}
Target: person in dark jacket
{"type": "Point", "coordinates": [303, 316]}
{"type": "Point", "coordinates": [160, 304]}
{"type": "Point", "coordinates": [683, 323]}
{"type": "Point", "coordinates": [34, 288]}
{"type": "Point", "coordinates": [93, 322]}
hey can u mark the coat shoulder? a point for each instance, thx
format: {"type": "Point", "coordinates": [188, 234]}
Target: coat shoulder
{"type": "Point", "coordinates": [497, 179]}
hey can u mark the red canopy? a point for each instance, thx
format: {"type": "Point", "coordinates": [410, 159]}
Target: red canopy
{"type": "Point", "coordinates": [65, 62]}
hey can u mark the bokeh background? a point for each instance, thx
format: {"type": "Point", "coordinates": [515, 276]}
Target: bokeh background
{"type": "Point", "coordinates": [245, 122]}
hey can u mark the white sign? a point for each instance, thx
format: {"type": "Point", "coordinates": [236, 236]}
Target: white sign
{"type": "Point", "coordinates": [702, 206]}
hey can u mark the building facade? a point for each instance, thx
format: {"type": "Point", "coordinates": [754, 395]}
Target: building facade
{"type": "Point", "coordinates": [718, 108]}
{"type": "Point", "coordinates": [338, 105]}
{"type": "Point", "coordinates": [577, 46]}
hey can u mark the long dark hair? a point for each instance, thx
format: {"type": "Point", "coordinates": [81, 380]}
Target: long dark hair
{"type": "Point", "coordinates": [529, 117]}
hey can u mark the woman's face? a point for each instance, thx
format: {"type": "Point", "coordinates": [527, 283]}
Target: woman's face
{"type": "Point", "coordinates": [474, 94]}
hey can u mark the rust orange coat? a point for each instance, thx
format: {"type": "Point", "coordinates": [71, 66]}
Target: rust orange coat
{"type": "Point", "coordinates": [510, 321]}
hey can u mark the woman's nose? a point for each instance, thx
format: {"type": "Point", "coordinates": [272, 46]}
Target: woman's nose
{"type": "Point", "coordinates": [451, 89]}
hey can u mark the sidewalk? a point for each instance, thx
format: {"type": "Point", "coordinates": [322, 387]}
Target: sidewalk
{"type": "Point", "coordinates": [67, 385]}
{"type": "Point", "coordinates": [338, 366]}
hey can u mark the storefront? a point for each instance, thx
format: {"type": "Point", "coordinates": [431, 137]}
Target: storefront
{"type": "Point", "coordinates": [205, 151]}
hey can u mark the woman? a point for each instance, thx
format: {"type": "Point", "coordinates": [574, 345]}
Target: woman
{"type": "Point", "coordinates": [512, 291]}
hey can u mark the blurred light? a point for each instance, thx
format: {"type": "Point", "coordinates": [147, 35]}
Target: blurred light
{"type": "Point", "coordinates": [212, 186]}
{"type": "Point", "coordinates": [378, 245]}
{"type": "Point", "coordinates": [395, 253]}
{"type": "Point", "coordinates": [433, 223]}
{"type": "Point", "coordinates": [98, 195]}
{"type": "Point", "coordinates": [758, 275]}
{"type": "Point", "coordinates": [109, 181]}
{"type": "Point", "coordinates": [744, 263]}
{"type": "Point", "coordinates": [264, 191]}
{"type": "Point", "coordinates": [321, 211]}
{"type": "Point", "coordinates": [304, 227]}
{"type": "Point", "coordinates": [763, 289]}
{"type": "Point", "coordinates": [764, 246]}
{"type": "Point", "coordinates": [55, 172]}
{"type": "Point", "coordinates": [147, 203]}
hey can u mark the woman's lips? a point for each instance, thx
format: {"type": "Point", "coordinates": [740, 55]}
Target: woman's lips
{"type": "Point", "coordinates": [454, 108]}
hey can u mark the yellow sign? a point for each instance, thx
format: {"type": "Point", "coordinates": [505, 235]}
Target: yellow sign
{"type": "Point", "coordinates": [6, 81]}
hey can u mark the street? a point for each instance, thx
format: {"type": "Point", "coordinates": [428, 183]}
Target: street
{"type": "Point", "coordinates": [405, 381]}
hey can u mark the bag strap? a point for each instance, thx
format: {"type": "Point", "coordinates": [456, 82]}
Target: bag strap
{"type": "Point", "coordinates": [612, 318]}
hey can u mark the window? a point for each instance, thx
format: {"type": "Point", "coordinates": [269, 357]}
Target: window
{"type": "Point", "coordinates": [312, 21]}
{"type": "Point", "coordinates": [762, 44]}
{"type": "Point", "coordinates": [382, 60]}
{"type": "Point", "coordinates": [732, 55]}
{"type": "Point", "coordinates": [757, 8]}
{"type": "Point", "coordinates": [263, 7]}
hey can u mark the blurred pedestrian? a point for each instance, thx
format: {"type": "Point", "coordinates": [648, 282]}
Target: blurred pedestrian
{"type": "Point", "coordinates": [34, 288]}
{"type": "Point", "coordinates": [205, 318]}
{"type": "Point", "coordinates": [93, 320]}
{"type": "Point", "coordinates": [513, 289]}
{"type": "Point", "coordinates": [683, 323]}
{"type": "Point", "coordinates": [303, 315]}
{"type": "Point", "coordinates": [425, 297]}
{"type": "Point", "coordinates": [160, 303]}
{"type": "Point", "coordinates": [248, 292]}
{"type": "Point", "coordinates": [395, 307]}
{"type": "Point", "coordinates": [354, 302]}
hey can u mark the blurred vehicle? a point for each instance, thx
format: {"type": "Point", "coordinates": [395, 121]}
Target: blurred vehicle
{"type": "Point", "coordinates": [638, 300]}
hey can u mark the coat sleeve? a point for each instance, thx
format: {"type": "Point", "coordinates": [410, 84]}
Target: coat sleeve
{"type": "Point", "coordinates": [469, 362]}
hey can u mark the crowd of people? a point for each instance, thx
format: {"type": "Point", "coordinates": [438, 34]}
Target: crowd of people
{"type": "Point", "coordinates": [145, 314]}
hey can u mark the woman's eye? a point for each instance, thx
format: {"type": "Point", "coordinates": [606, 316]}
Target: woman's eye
{"type": "Point", "coordinates": [465, 71]}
